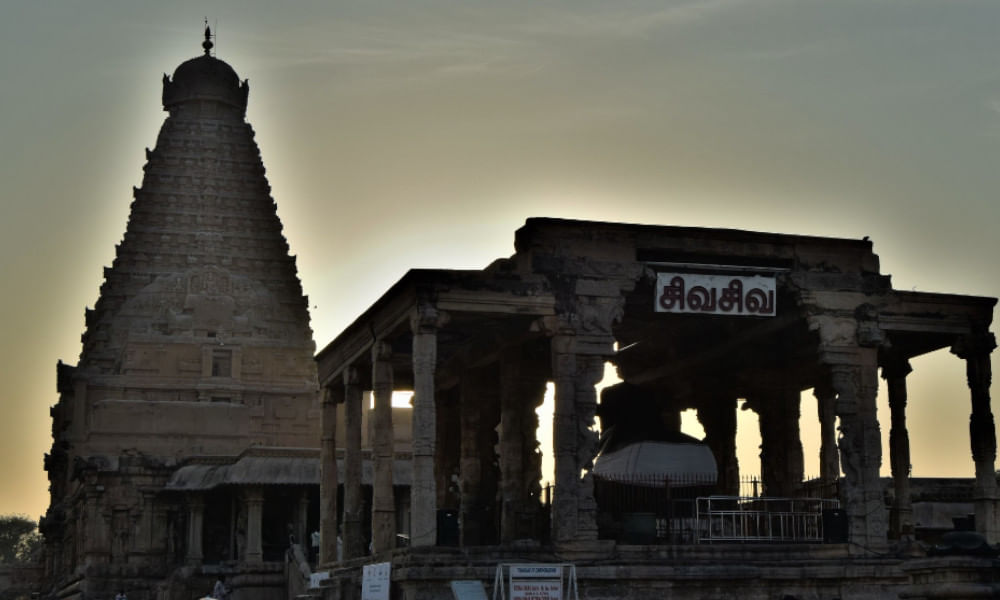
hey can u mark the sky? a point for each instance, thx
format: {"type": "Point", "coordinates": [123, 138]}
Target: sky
{"type": "Point", "coordinates": [422, 134]}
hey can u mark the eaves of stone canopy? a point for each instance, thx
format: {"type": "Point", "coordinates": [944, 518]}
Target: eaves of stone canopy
{"type": "Point", "coordinates": [920, 322]}
{"type": "Point", "coordinates": [482, 314]}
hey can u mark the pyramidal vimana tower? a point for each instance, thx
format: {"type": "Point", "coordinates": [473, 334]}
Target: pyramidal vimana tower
{"type": "Point", "coordinates": [187, 433]}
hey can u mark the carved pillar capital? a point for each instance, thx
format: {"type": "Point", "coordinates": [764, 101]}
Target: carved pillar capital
{"type": "Point", "coordinates": [426, 318]}
{"type": "Point", "coordinates": [974, 345]}
{"type": "Point", "coordinates": [895, 367]}
{"type": "Point", "coordinates": [869, 334]}
{"type": "Point", "coordinates": [351, 376]}
{"type": "Point", "coordinates": [587, 329]}
{"type": "Point", "coordinates": [381, 351]}
{"type": "Point", "coordinates": [553, 325]}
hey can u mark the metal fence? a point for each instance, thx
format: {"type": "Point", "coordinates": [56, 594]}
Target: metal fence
{"type": "Point", "coordinates": [727, 518]}
{"type": "Point", "coordinates": [690, 509]}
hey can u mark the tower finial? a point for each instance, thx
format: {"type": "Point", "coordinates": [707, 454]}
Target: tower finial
{"type": "Point", "coordinates": [207, 44]}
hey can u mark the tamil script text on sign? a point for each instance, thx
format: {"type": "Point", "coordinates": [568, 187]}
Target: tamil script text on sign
{"type": "Point", "coordinates": [739, 295]}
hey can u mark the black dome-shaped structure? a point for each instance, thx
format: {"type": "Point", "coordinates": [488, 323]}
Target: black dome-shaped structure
{"type": "Point", "coordinates": [206, 70]}
{"type": "Point", "coordinates": [205, 78]}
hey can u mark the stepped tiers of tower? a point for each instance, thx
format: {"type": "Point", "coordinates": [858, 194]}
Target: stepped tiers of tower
{"type": "Point", "coordinates": [203, 234]}
{"type": "Point", "coordinates": [197, 358]}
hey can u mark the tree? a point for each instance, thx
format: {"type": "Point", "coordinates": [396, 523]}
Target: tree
{"type": "Point", "coordinates": [20, 540]}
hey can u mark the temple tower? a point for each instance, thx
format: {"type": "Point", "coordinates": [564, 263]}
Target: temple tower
{"type": "Point", "coordinates": [198, 346]}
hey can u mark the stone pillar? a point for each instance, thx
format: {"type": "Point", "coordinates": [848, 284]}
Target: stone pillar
{"type": "Point", "coordinates": [328, 482]}
{"type": "Point", "coordinates": [423, 492]}
{"type": "Point", "coordinates": [574, 441]}
{"type": "Point", "coordinates": [781, 461]}
{"type": "Point", "coordinates": [161, 529]}
{"type": "Point", "coordinates": [383, 445]}
{"type": "Point", "coordinates": [860, 443]}
{"type": "Point", "coordinates": [901, 514]}
{"type": "Point", "coordinates": [195, 522]}
{"type": "Point", "coordinates": [353, 536]}
{"type": "Point", "coordinates": [848, 348]}
{"type": "Point", "coordinates": [975, 349]}
{"type": "Point", "coordinates": [476, 455]}
{"type": "Point", "coordinates": [522, 391]}
{"type": "Point", "coordinates": [302, 523]}
{"type": "Point", "coordinates": [718, 417]}
{"type": "Point", "coordinates": [144, 528]}
{"type": "Point", "coordinates": [829, 462]}
{"type": "Point", "coordinates": [448, 448]}
{"type": "Point", "coordinates": [254, 498]}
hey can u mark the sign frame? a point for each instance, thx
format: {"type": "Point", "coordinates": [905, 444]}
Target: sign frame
{"type": "Point", "coordinates": [737, 295]}
{"type": "Point", "coordinates": [535, 581]}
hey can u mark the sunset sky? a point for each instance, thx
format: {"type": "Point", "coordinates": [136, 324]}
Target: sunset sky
{"type": "Point", "coordinates": [422, 134]}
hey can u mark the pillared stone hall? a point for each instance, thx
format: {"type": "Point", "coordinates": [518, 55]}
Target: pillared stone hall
{"type": "Point", "coordinates": [200, 436]}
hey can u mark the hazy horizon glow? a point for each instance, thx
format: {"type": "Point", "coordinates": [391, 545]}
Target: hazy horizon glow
{"type": "Point", "coordinates": [422, 136]}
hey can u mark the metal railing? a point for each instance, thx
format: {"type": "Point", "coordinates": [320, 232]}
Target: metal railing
{"type": "Point", "coordinates": [742, 519]}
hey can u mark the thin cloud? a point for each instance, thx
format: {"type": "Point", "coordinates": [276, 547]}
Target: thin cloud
{"type": "Point", "coordinates": [622, 22]}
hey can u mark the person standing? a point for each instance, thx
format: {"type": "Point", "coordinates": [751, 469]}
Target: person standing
{"type": "Point", "coordinates": [220, 591]}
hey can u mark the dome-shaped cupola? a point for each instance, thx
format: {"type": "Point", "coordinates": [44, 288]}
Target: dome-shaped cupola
{"type": "Point", "coordinates": [205, 78]}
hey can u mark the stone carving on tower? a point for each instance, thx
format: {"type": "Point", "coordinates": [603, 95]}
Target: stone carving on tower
{"type": "Point", "coordinates": [199, 343]}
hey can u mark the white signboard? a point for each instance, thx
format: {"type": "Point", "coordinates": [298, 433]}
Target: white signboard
{"type": "Point", "coordinates": [536, 589]}
{"type": "Point", "coordinates": [536, 582]}
{"type": "Point", "coordinates": [696, 293]}
{"type": "Point", "coordinates": [316, 578]}
{"type": "Point", "coordinates": [375, 581]}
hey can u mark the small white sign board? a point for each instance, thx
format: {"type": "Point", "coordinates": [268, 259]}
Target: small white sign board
{"type": "Point", "coordinates": [536, 582]}
{"type": "Point", "coordinates": [315, 578]}
{"type": "Point", "coordinates": [375, 581]}
{"type": "Point", "coordinates": [536, 589]}
{"type": "Point", "coordinates": [468, 590]}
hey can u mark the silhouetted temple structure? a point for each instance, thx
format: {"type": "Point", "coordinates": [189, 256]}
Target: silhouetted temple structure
{"type": "Point", "coordinates": [187, 433]}
{"type": "Point", "coordinates": [692, 319]}
{"type": "Point", "coordinates": [198, 436]}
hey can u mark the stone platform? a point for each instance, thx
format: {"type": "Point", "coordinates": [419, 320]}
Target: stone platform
{"type": "Point", "coordinates": [605, 572]}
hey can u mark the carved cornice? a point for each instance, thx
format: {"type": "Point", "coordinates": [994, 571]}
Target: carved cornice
{"type": "Point", "coordinates": [974, 345]}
